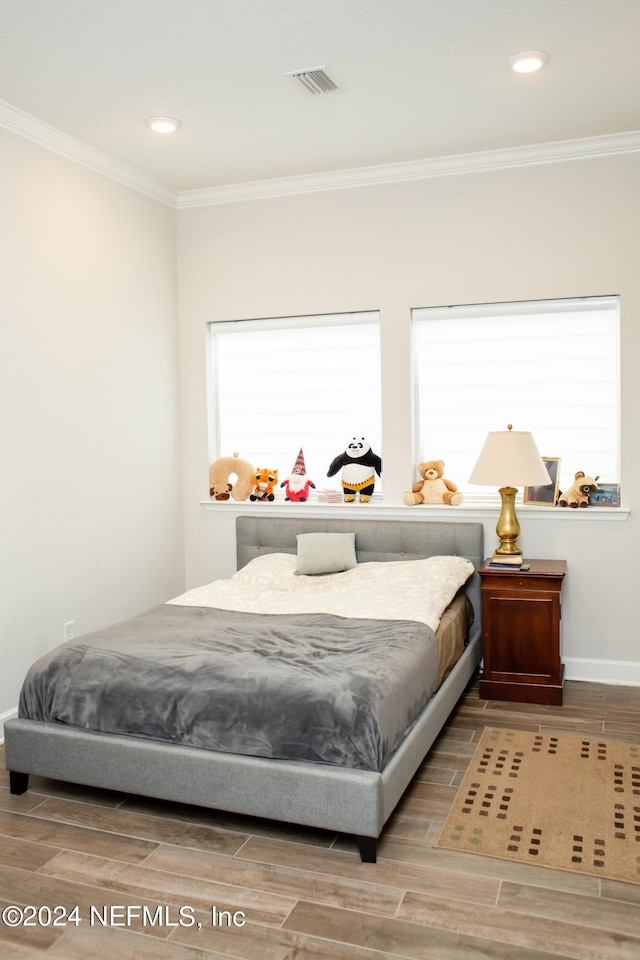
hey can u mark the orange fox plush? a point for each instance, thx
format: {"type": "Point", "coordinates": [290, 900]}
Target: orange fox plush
{"type": "Point", "coordinates": [263, 483]}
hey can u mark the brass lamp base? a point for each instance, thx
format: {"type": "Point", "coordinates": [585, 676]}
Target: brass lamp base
{"type": "Point", "coordinates": [508, 527]}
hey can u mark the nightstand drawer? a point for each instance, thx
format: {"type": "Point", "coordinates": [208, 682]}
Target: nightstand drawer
{"type": "Point", "coordinates": [523, 583]}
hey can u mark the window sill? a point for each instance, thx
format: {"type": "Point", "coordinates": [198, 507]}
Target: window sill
{"type": "Point", "coordinates": [465, 511]}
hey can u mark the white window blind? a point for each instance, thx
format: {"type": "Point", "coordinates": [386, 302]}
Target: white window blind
{"type": "Point", "coordinates": [550, 367]}
{"type": "Point", "coordinates": [281, 384]}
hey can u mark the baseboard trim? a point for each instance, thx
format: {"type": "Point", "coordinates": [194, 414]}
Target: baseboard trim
{"type": "Point", "coordinates": [9, 715]}
{"type": "Point", "coordinates": [623, 672]}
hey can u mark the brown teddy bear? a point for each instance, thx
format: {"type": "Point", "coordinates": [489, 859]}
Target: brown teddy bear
{"type": "Point", "coordinates": [433, 488]}
{"type": "Point", "coordinates": [579, 492]}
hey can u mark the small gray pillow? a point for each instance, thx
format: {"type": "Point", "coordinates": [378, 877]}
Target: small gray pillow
{"type": "Point", "coordinates": [326, 553]}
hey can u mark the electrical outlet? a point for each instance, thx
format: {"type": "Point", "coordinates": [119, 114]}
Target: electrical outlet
{"type": "Point", "coordinates": [69, 630]}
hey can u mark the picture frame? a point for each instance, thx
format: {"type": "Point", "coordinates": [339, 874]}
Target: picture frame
{"type": "Point", "coordinates": [547, 495]}
{"type": "Point", "coordinates": [607, 495]}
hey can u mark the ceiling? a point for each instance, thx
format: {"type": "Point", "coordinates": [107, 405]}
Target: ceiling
{"type": "Point", "coordinates": [418, 79]}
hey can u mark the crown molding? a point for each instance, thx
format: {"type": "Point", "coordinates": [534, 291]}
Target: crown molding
{"type": "Point", "coordinates": [29, 127]}
{"type": "Point", "coordinates": [482, 162]}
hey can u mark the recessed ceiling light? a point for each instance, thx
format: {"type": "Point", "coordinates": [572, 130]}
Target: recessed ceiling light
{"type": "Point", "coordinates": [163, 124]}
{"type": "Point", "coordinates": [528, 62]}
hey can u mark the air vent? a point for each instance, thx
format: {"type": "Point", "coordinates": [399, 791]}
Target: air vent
{"type": "Point", "coordinates": [314, 79]}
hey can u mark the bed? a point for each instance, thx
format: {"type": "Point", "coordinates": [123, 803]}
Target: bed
{"type": "Point", "coordinates": [350, 799]}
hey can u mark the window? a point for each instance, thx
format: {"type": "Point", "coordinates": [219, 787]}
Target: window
{"type": "Point", "coordinates": [295, 382]}
{"type": "Point", "coordinates": [550, 367]}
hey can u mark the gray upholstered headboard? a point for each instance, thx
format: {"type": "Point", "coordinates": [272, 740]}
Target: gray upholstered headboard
{"type": "Point", "coordinates": [375, 540]}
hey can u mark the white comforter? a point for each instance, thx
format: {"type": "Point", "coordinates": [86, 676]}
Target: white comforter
{"type": "Point", "coordinates": [398, 590]}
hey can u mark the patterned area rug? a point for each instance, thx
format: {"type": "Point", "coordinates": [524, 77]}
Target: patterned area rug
{"type": "Point", "coordinates": [569, 803]}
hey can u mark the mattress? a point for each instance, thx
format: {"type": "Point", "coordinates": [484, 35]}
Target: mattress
{"type": "Point", "coordinates": [452, 634]}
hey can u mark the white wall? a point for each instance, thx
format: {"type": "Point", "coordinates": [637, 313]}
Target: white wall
{"type": "Point", "coordinates": [90, 479]}
{"type": "Point", "coordinates": [557, 230]}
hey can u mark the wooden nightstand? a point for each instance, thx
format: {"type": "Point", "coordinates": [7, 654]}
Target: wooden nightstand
{"type": "Point", "coordinates": [521, 632]}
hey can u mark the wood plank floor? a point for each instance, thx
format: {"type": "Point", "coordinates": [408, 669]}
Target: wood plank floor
{"type": "Point", "coordinates": [131, 865]}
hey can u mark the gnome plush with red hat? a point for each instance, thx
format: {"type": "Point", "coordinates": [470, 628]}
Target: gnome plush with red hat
{"type": "Point", "coordinates": [296, 488]}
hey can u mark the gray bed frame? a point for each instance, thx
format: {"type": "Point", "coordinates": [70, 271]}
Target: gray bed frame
{"type": "Point", "coordinates": [356, 802]}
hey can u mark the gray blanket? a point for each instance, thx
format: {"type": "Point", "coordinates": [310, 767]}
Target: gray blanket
{"type": "Point", "coordinates": [306, 687]}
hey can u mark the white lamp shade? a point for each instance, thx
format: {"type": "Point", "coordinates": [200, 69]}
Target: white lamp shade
{"type": "Point", "coordinates": [510, 458]}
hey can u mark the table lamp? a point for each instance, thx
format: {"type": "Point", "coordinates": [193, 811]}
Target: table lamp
{"type": "Point", "coordinates": [509, 459]}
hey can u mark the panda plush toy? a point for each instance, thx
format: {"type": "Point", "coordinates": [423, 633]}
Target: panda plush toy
{"type": "Point", "coordinates": [359, 465]}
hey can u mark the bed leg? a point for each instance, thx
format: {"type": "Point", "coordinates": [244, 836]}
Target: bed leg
{"type": "Point", "coordinates": [18, 782]}
{"type": "Point", "coordinates": [368, 847]}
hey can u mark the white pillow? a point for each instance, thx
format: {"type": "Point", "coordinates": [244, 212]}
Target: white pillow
{"type": "Point", "coordinates": [326, 553]}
